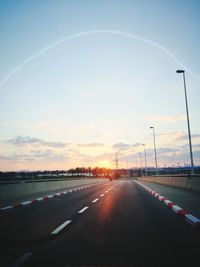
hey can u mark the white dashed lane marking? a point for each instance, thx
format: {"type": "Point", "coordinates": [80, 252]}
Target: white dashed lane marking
{"type": "Point", "coordinates": [26, 202]}
{"type": "Point", "coordinates": [95, 200]}
{"type": "Point", "coordinates": [7, 208]}
{"type": "Point", "coordinates": [82, 210]}
{"type": "Point", "coordinates": [59, 228]}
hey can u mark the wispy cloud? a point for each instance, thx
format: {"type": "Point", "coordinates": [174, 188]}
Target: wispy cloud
{"type": "Point", "coordinates": [120, 146]}
{"type": "Point", "coordinates": [176, 137]}
{"type": "Point", "coordinates": [123, 146]}
{"type": "Point", "coordinates": [184, 136]}
{"type": "Point", "coordinates": [34, 153]}
{"type": "Point", "coordinates": [91, 145]}
{"type": "Point", "coordinates": [165, 118]}
{"type": "Point", "coordinates": [26, 140]}
{"type": "Point", "coordinates": [47, 155]}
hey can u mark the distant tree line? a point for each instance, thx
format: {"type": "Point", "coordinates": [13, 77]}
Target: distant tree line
{"type": "Point", "coordinates": [83, 172]}
{"type": "Point", "coordinates": [62, 174]}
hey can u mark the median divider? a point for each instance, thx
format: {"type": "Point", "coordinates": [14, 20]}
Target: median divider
{"type": "Point", "coordinates": [23, 190]}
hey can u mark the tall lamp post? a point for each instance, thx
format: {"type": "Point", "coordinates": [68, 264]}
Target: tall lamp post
{"type": "Point", "coordinates": [188, 121]}
{"type": "Point", "coordinates": [154, 140]}
{"type": "Point", "coordinates": [140, 164]}
{"type": "Point", "coordinates": [145, 159]}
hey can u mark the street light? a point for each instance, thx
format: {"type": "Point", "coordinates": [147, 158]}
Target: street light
{"type": "Point", "coordinates": [145, 159]}
{"type": "Point", "coordinates": [140, 164]}
{"type": "Point", "coordinates": [188, 121]}
{"type": "Point", "coordinates": [154, 140]}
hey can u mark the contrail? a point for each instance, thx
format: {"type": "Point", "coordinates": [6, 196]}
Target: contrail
{"type": "Point", "coordinates": [82, 34]}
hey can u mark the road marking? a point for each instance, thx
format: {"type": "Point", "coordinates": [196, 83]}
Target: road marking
{"type": "Point", "coordinates": [6, 208]}
{"type": "Point", "coordinates": [95, 200]}
{"type": "Point", "coordinates": [22, 259]}
{"type": "Point", "coordinates": [26, 202]}
{"type": "Point", "coordinates": [39, 198]}
{"type": "Point", "coordinates": [160, 198]}
{"type": "Point", "coordinates": [194, 221]}
{"type": "Point", "coordinates": [176, 208]}
{"type": "Point", "coordinates": [167, 202]}
{"type": "Point", "coordinates": [59, 228]}
{"type": "Point", "coordinates": [191, 219]}
{"type": "Point", "coordinates": [81, 211]}
{"type": "Point", "coordinates": [102, 195]}
{"type": "Point", "coordinates": [50, 196]}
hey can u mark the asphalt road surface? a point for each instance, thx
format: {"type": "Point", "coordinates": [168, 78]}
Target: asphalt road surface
{"type": "Point", "coordinates": [116, 223]}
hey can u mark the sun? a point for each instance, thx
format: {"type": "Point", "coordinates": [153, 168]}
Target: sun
{"type": "Point", "coordinates": [105, 164]}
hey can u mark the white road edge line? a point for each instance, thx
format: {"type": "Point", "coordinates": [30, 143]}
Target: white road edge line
{"type": "Point", "coordinates": [59, 228]}
{"type": "Point", "coordinates": [95, 200]}
{"type": "Point", "coordinates": [26, 202]}
{"type": "Point", "coordinates": [6, 208]}
{"type": "Point", "coordinates": [39, 198]}
{"type": "Point", "coordinates": [82, 210]}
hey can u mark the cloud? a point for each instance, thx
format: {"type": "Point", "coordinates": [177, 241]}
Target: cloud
{"type": "Point", "coordinates": [176, 137]}
{"type": "Point", "coordinates": [37, 155]}
{"type": "Point", "coordinates": [183, 136]}
{"type": "Point", "coordinates": [136, 144]}
{"type": "Point", "coordinates": [91, 145]}
{"type": "Point", "coordinates": [24, 152]}
{"type": "Point", "coordinates": [166, 150]}
{"type": "Point", "coordinates": [166, 118]}
{"type": "Point", "coordinates": [122, 146]}
{"type": "Point", "coordinates": [26, 140]}
{"type": "Point", "coordinates": [21, 140]}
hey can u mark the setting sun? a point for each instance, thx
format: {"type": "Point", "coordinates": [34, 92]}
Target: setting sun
{"type": "Point", "coordinates": [105, 164]}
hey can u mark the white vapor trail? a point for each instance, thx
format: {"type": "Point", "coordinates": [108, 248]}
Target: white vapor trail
{"type": "Point", "coordinates": [82, 34]}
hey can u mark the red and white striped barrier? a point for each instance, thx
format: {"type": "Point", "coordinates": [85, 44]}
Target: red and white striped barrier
{"type": "Point", "coordinates": [194, 221]}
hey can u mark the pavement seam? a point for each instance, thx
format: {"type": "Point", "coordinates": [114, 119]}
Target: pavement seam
{"type": "Point", "coordinates": [194, 221]}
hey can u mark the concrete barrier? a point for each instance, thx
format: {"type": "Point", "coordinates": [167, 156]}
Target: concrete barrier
{"type": "Point", "coordinates": [12, 192]}
{"type": "Point", "coordinates": [187, 182]}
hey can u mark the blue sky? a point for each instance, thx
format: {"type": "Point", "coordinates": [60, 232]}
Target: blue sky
{"type": "Point", "coordinates": [87, 97]}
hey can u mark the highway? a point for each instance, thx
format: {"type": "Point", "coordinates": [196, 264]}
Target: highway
{"type": "Point", "coordinates": [115, 223]}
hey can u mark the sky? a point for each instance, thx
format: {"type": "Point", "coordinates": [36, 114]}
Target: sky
{"type": "Point", "coordinates": [81, 80]}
